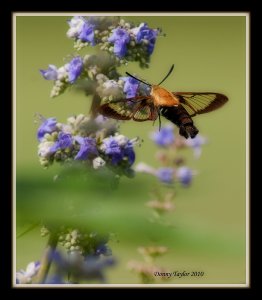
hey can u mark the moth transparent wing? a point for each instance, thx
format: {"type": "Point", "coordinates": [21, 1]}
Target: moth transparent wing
{"type": "Point", "coordinates": [200, 103]}
{"type": "Point", "coordinates": [124, 109]}
{"type": "Point", "coordinates": [116, 110]}
{"type": "Point", "coordinates": [145, 112]}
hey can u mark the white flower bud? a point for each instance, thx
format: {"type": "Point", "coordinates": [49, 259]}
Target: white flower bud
{"type": "Point", "coordinates": [110, 87]}
{"type": "Point", "coordinates": [142, 167]}
{"type": "Point", "coordinates": [44, 149]}
{"type": "Point", "coordinates": [121, 139]}
{"type": "Point", "coordinates": [76, 24]}
{"type": "Point", "coordinates": [101, 77]}
{"type": "Point", "coordinates": [73, 241]}
{"type": "Point", "coordinates": [67, 245]}
{"type": "Point", "coordinates": [98, 162]}
{"type": "Point", "coordinates": [79, 119]}
{"type": "Point", "coordinates": [71, 120]}
{"type": "Point", "coordinates": [74, 234]}
{"type": "Point", "coordinates": [68, 237]}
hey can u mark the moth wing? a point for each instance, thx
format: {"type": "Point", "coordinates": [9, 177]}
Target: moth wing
{"type": "Point", "coordinates": [200, 103]}
{"type": "Point", "coordinates": [137, 108]}
{"type": "Point", "coordinates": [145, 112]}
{"type": "Point", "coordinates": [116, 110]}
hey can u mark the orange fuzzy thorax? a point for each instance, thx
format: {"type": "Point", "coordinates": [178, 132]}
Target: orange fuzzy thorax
{"type": "Point", "coordinates": [163, 97]}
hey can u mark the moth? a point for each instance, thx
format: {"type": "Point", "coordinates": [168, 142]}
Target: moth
{"type": "Point", "coordinates": [177, 107]}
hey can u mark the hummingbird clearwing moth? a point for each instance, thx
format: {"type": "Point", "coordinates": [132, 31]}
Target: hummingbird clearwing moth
{"type": "Point", "coordinates": [177, 107]}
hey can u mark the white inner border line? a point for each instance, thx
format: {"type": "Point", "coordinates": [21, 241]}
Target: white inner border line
{"type": "Point", "coordinates": [167, 14]}
{"type": "Point", "coordinates": [182, 14]}
{"type": "Point", "coordinates": [247, 150]}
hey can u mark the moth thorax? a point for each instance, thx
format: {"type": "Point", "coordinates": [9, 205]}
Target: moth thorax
{"type": "Point", "coordinates": [163, 97]}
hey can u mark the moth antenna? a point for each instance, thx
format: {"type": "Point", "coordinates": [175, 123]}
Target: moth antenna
{"type": "Point", "coordinates": [170, 71]}
{"type": "Point", "coordinates": [138, 79]}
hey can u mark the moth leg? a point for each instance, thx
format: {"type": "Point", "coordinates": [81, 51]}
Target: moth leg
{"type": "Point", "coordinates": [138, 99]}
{"type": "Point", "coordinates": [159, 118]}
{"type": "Point", "coordinates": [135, 101]}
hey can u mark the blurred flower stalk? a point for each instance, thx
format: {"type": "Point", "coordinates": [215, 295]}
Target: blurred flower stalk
{"type": "Point", "coordinates": [173, 168]}
{"type": "Point", "coordinates": [171, 172]}
{"type": "Point", "coordinates": [75, 255]}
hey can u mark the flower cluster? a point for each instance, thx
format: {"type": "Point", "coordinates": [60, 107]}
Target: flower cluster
{"type": "Point", "coordinates": [68, 269]}
{"type": "Point", "coordinates": [63, 76]}
{"type": "Point", "coordinates": [79, 267]}
{"type": "Point", "coordinates": [93, 79]}
{"type": "Point", "coordinates": [152, 251]}
{"type": "Point", "coordinates": [121, 41]}
{"type": "Point", "coordinates": [173, 168]}
{"type": "Point", "coordinates": [162, 204]}
{"type": "Point", "coordinates": [85, 243]}
{"type": "Point", "coordinates": [109, 89]}
{"type": "Point", "coordinates": [94, 142]}
{"type": "Point", "coordinates": [124, 88]}
{"type": "Point", "coordinates": [148, 271]}
{"type": "Point", "coordinates": [88, 254]}
{"type": "Point", "coordinates": [126, 41]}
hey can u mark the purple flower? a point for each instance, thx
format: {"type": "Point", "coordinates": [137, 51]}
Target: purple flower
{"type": "Point", "coordinates": [120, 37]}
{"type": "Point", "coordinates": [82, 29]}
{"type": "Point", "coordinates": [48, 126]}
{"type": "Point", "coordinates": [145, 33]}
{"type": "Point", "coordinates": [88, 268]}
{"type": "Point", "coordinates": [76, 25]}
{"type": "Point", "coordinates": [130, 87]}
{"type": "Point", "coordinates": [113, 149]}
{"type": "Point", "coordinates": [129, 152]}
{"type": "Point", "coordinates": [196, 144]}
{"type": "Point", "coordinates": [75, 68]}
{"type": "Point", "coordinates": [164, 137]}
{"type": "Point", "coordinates": [184, 175]}
{"type": "Point", "coordinates": [87, 147]}
{"type": "Point", "coordinates": [118, 148]}
{"type": "Point", "coordinates": [165, 175]}
{"type": "Point", "coordinates": [103, 249]}
{"type": "Point", "coordinates": [87, 33]}
{"type": "Point", "coordinates": [64, 141]}
{"type": "Point", "coordinates": [50, 73]}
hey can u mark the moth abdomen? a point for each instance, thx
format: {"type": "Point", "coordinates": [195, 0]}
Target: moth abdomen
{"type": "Point", "coordinates": [180, 117]}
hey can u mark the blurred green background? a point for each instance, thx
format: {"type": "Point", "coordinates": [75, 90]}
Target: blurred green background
{"type": "Point", "coordinates": [209, 228]}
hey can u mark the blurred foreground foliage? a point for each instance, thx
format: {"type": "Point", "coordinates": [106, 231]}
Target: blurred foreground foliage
{"type": "Point", "coordinates": [91, 203]}
{"type": "Point", "coordinates": [81, 199]}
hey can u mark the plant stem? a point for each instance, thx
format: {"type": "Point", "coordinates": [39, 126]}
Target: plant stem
{"type": "Point", "coordinates": [94, 106]}
{"type": "Point", "coordinates": [33, 226]}
{"type": "Point", "coordinates": [47, 258]}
